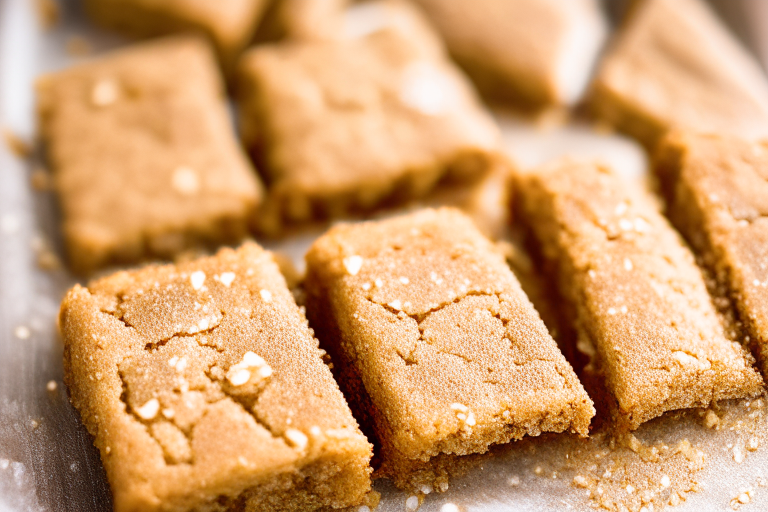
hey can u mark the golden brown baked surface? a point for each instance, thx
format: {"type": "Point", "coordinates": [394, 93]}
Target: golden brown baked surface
{"type": "Point", "coordinates": [532, 52]}
{"type": "Point", "coordinates": [205, 390]}
{"type": "Point", "coordinates": [438, 348]}
{"type": "Point", "coordinates": [143, 153]}
{"type": "Point", "coordinates": [229, 24]}
{"type": "Point", "coordinates": [717, 194]}
{"type": "Point", "coordinates": [638, 301]}
{"type": "Point", "coordinates": [675, 65]}
{"type": "Point", "coordinates": [339, 127]}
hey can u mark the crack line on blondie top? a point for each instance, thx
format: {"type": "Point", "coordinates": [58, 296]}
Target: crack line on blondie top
{"type": "Point", "coordinates": [411, 360]}
{"type": "Point", "coordinates": [154, 345]}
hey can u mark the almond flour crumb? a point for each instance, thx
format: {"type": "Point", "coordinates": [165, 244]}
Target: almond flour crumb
{"type": "Point", "coordinates": [296, 438]}
{"type": "Point", "coordinates": [266, 295]}
{"type": "Point", "coordinates": [396, 305]}
{"type": "Point", "coordinates": [227, 278]}
{"type": "Point", "coordinates": [425, 489]}
{"type": "Point", "coordinates": [449, 507]}
{"type": "Point", "coordinates": [513, 481]}
{"type": "Point", "coordinates": [665, 481]}
{"type": "Point", "coordinates": [104, 93]}
{"type": "Point", "coordinates": [738, 454]}
{"type": "Point", "coordinates": [753, 444]}
{"type": "Point", "coordinates": [412, 503]}
{"type": "Point", "coordinates": [353, 264]}
{"type": "Point", "coordinates": [149, 410]}
{"type": "Point", "coordinates": [252, 368]}
{"type": "Point", "coordinates": [185, 181]}
{"type": "Point", "coordinates": [51, 386]}
{"type": "Point", "coordinates": [711, 419]}
{"type": "Point", "coordinates": [197, 279]}
{"type": "Point", "coordinates": [580, 481]}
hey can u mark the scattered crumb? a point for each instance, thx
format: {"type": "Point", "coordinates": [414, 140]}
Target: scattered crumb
{"type": "Point", "coordinates": [412, 503]}
{"type": "Point", "coordinates": [711, 420]}
{"type": "Point", "coordinates": [48, 13]}
{"type": "Point", "coordinates": [78, 46]}
{"type": "Point", "coordinates": [22, 332]}
{"type": "Point", "coordinates": [51, 386]}
{"type": "Point", "coordinates": [449, 507]}
{"type": "Point", "coordinates": [513, 481]}
{"type": "Point", "coordinates": [16, 144]}
{"type": "Point", "coordinates": [47, 259]}
{"type": "Point", "coordinates": [266, 295]}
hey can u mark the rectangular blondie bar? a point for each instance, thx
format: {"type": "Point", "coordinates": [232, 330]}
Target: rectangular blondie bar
{"type": "Point", "coordinates": [205, 390]}
{"type": "Point", "coordinates": [436, 346]}
{"type": "Point", "coordinates": [143, 154]}
{"type": "Point", "coordinates": [717, 195]}
{"type": "Point", "coordinates": [635, 296]}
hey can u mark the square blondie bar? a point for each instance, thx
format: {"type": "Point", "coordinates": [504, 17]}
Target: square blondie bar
{"type": "Point", "coordinates": [205, 390]}
{"type": "Point", "coordinates": [143, 154]}
{"type": "Point", "coordinates": [717, 195]}
{"type": "Point", "coordinates": [534, 53]}
{"type": "Point", "coordinates": [636, 299]}
{"type": "Point", "coordinates": [229, 25]}
{"type": "Point", "coordinates": [344, 127]}
{"type": "Point", "coordinates": [675, 65]}
{"type": "Point", "coordinates": [436, 346]}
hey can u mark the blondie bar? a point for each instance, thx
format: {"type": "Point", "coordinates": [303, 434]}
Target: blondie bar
{"type": "Point", "coordinates": [344, 127]}
{"type": "Point", "coordinates": [717, 195]}
{"type": "Point", "coordinates": [436, 346]}
{"type": "Point", "coordinates": [634, 294]}
{"type": "Point", "coordinates": [229, 25]}
{"type": "Point", "coordinates": [205, 390]}
{"type": "Point", "coordinates": [532, 52]}
{"type": "Point", "coordinates": [675, 65]}
{"type": "Point", "coordinates": [143, 154]}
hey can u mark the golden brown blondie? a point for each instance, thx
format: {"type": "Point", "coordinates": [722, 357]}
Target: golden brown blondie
{"type": "Point", "coordinates": [229, 25]}
{"type": "Point", "coordinates": [532, 52]}
{"type": "Point", "coordinates": [675, 65]}
{"type": "Point", "coordinates": [205, 390]}
{"type": "Point", "coordinates": [636, 298]}
{"type": "Point", "coordinates": [717, 195]}
{"type": "Point", "coordinates": [143, 154]}
{"type": "Point", "coordinates": [437, 348]}
{"type": "Point", "coordinates": [341, 127]}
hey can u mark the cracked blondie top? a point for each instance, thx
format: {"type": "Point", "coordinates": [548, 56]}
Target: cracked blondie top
{"type": "Point", "coordinates": [534, 53]}
{"type": "Point", "coordinates": [435, 343]}
{"type": "Point", "coordinates": [675, 65]}
{"type": "Point", "coordinates": [205, 390]}
{"type": "Point", "coordinates": [143, 154]}
{"type": "Point", "coordinates": [229, 25]}
{"type": "Point", "coordinates": [636, 297]}
{"type": "Point", "coordinates": [717, 194]}
{"type": "Point", "coordinates": [346, 126]}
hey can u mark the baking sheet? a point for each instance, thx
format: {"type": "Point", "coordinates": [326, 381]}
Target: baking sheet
{"type": "Point", "coordinates": [47, 461]}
